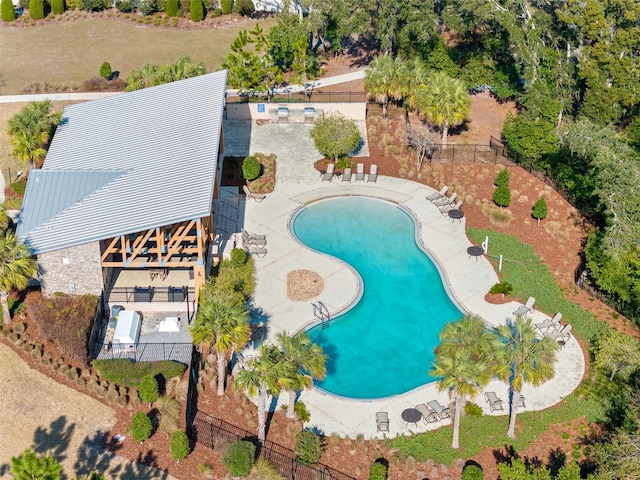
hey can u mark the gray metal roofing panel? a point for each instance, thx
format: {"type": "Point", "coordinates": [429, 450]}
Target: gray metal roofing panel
{"type": "Point", "coordinates": [165, 137]}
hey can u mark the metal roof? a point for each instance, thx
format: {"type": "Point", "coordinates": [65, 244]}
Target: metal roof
{"type": "Point", "coordinates": [127, 163]}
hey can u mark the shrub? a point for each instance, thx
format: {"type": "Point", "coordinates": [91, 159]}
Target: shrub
{"type": "Point", "coordinates": [308, 447]}
{"type": "Point", "coordinates": [502, 196]}
{"type": "Point", "coordinates": [141, 427]}
{"type": "Point", "coordinates": [344, 162]}
{"type": "Point", "coordinates": [105, 71]}
{"type": "Point", "coordinates": [539, 211]}
{"type": "Point", "coordinates": [244, 7]}
{"type": "Point", "coordinates": [149, 390]}
{"type": "Point", "coordinates": [504, 288]}
{"type": "Point", "coordinates": [300, 408]}
{"type": "Point", "coordinates": [251, 168]}
{"type": "Point", "coordinates": [125, 6]}
{"type": "Point", "coordinates": [335, 135]}
{"type": "Point", "coordinates": [57, 7]}
{"type": "Point", "coordinates": [472, 410]}
{"type": "Point", "coordinates": [196, 9]}
{"type": "Point", "coordinates": [239, 457]}
{"type": "Point", "coordinates": [94, 5]}
{"type": "Point", "coordinates": [472, 472]}
{"type": "Point", "coordinates": [147, 7]}
{"type": "Point", "coordinates": [226, 6]}
{"type": "Point", "coordinates": [378, 470]}
{"type": "Point", "coordinates": [502, 179]}
{"type": "Point", "coordinates": [238, 257]}
{"type": "Point", "coordinates": [19, 327]}
{"type": "Point", "coordinates": [36, 9]}
{"type": "Point", "coordinates": [172, 8]}
{"type": "Point", "coordinates": [216, 12]}
{"type": "Point", "coordinates": [126, 372]}
{"type": "Point", "coordinates": [8, 12]}
{"type": "Point", "coordinates": [179, 445]}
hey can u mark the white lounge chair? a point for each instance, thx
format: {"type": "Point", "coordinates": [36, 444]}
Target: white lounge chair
{"type": "Point", "coordinates": [526, 308]}
{"type": "Point", "coordinates": [249, 239]}
{"type": "Point", "coordinates": [382, 421]}
{"type": "Point", "coordinates": [438, 195]}
{"type": "Point", "coordinates": [255, 250]}
{"type": "Point", "coordinates": [444, 200]}
{"type": "Point", "coordinates": [562, 335]}
{"type": "Point", "coordinates": [360, 172]}
{"type": "Point", "coordinates": [444, 209]}
{"type": "Point", "coordinates": [494, 402]}
{"type": "Point", "coordinates": [552, 323]}
{"type": "Point", "coordinates": [373, 173]}
{"type": "Point", "coordinates": [328, 174]}
{"type": "Point", "coordinates": [438, 409]}
{"type": "Point", "coordinates": [429, 416]}
{"type": "Point", "coordinates": [346, 175]}
{"type": "Point", "coordinates": [258, 197]}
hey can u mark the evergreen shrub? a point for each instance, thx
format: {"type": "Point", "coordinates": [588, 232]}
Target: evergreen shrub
{"type": "Point", "coordinates": [149, 390]}
{"type": "Point", "coordinates": [308, 447]}
{"type": "Point", "coordinates": [8, 12]}
{"type": "Point", "coordinates": [196, 9]}
{"type": "Point", "coordinates": [502, 179]}
{"type": "Point", "coordinates": [378, 470]}
{"type": "Point", "coordinates": [539, 211]}
{"type": "Point", "coordinates": [141, 427]}
{"type": "Point", "coordinates": [251, 168]}
{"type": "Point", "coordinates": [472, 472]}
{"type": "Point", "coordinates": [244, 7]}
{"type": "Point", "coordinates": [226, 6]}
{"type": "Point", "coordinates": [125, 6]}
{"type": "Point", "coordinates": [179, 445]}
{"type": "Point", "coordinates": [57, 7]}
{"type": "Point", "coordinates": [172, 8]}
{"type": "Point", "coordinates": [105, 71]}
{"type": "Point", "coordinates": [238, 257]}
{"type": "Point", "coordinates": [502, 196]}
{"type": "Point", "coordinates": [239, 458]}
{"type": "Point", "coordinates": [36, 9]}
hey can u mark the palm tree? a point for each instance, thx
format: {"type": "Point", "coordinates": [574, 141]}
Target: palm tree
{"type": "Point", "coordinates": [309, 360]}
{"type": "Point", "coordinates": [266, 374]}
{"type": "Point", "coordinates": [223, 325]}
{"type": "Point", "coordinates": [444, 101]}
{"type": "Point", "coordinates": [384, 80]}
{"type": "Point", "coordinates": [31, 130]}
{"type": "Point", "coordinates": [143, 78]}
{"type": "Point", "coordinates": [523, 358]}
{"type": "Point", "coordinates": [470, 333]}
{"type": "Point", "coordinates": [16, 267]}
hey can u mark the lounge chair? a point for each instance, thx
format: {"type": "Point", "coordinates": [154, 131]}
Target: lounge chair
{"type": "Point", "coordinates": [444, 209]}
{"type": "Point", "coordinates": [551, 324]}
{"type": "Point", "coordinates": [382, 421]}
{"type": "Point", "coordinates": [562, 335]}
{"type": "Point", "coordinates": [444, 200]}
{"type": "Point", "coordinates": [346, 175]}
{"type": "Point", "coordinates": [373, 173]}
{"type": "Point", "coordinates": [249, 194]}
{"type": "Point", "coordinates": [520, 400]}
{"type": "Point", "coordinates": [494, 402]}
{"type": "Point", "coordinates": [360, 172]}
{"type": "Point", "coordinates": [255, 250]}
{"type": "Point", "coordinates": [251, 239]}
{"type": "Point", "coordinates": [438, 409]}
{"type": "Point", "coordinates": [328, 174]}
{"type": "Point", "coordinates": [428, 416]}
{"type": "Point", "coordinates": [526, 308]}
{"type": "Point", "coordinates": [438, 195]}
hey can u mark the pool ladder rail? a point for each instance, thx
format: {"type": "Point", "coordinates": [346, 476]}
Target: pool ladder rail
{"type": "Point", "coordinates": [321, 314]}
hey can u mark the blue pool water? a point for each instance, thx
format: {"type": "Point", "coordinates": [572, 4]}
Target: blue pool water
{"type": "Point", "coordinates": [384, 345]}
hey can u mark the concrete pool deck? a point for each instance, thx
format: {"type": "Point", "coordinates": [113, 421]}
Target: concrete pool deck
{"type": "Point", "coordinates": [467, 279]}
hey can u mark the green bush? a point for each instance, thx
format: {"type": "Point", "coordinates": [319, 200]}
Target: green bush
{"type": "Point", "coordinates": [172, 8]}
{"type": "Point", "coordinates": [308, 447]}
{"type": "Point", "coordinates": [94, 5]}
{"type": "Point", "coordinates": [141, 427]}
{"type": "Point", "coordinates": [502, 179]}
{"type": "Point", "coordinates": [196, 9]}
{"type": "Point", "coordinates": [128, 373]}
{"type": "Point", "coordinates": [472, 410]}
{"type": "Point", "coordinates": [504, 288]}
{"type": "Point", "coordinates": [539, 211]}
{"type": "Point", "coordinates": [244, 7]}
{"type": "Point", "coordinates": [216, 12]}
{"type": "Point", "coordinates": [502, 196]}
{"type": "Point", "coordinates": [125, 6]}
{"type": "Point", "coordinates": [8, 12]}
{"type": "Point", "coordinates": [227, 6]}
{"type": "Point", "coordinates": [251, 168]}
{"type": "Point", "coordinates": [233, 282]}
{"type": "Point", "coordinates": [238, 257]}
{"type": "Point", "coordinates": [378, 470]}
{"type": "Point", "coordinates": [472, 472]}
{"type": "Point", "coordinates": [36, 9]}
{"type": "Point", "coordinates": [344, 162]}
{"type": "Point", "coordinates": [149, 390]}
{"type": "Point", "coordinates": [239, 458]}
{"type": "Point", "coordinates": [105, 71]}
{"type": "Point", "coordinates": [147, 7]}
{"type": "Point", "coordinates": [57, 7]}
{"type": "Point", "coordinates": [179, 445]}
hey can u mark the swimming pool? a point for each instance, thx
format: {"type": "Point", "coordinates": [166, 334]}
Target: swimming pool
{"type": "Point", "coordinates": [384, 345]}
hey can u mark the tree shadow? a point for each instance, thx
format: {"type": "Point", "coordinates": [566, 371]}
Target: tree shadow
{"type": "Point", "coordinates": [557, 460]}
{"type": "Point", "coordinates": [54, 441]}
{"type": "Point", "coordinates": [95, 454]}
{"type": "Point", "coordinates": [509, 455]}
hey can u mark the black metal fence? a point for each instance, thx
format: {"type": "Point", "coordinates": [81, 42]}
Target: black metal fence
{"type": "Point", "coordinates": [310, 96]}
{"type": "Point", "coordinates": [145, 352]}
{"type": "Point", "coordinates": [217, 434]}
{"type": "Point", "coordinates": [151, 294]}
{"type": "Point", "coordinates": [470, 153]}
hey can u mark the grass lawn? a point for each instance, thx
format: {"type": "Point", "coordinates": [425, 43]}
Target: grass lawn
{"type": "Point", "coordinates": [71, 52]}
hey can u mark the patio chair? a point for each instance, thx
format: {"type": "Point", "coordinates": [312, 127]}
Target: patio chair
{"type": "Point", "coordinates": [373, 173]}
{"type": "Point", "coordinates": [444, 200]}
{"type": "Point", "coordinates": [494, 402]}
{"type": "Point", "coordinates": [563, 335]}
{"type": "Point", "coordinates": [382, 421]}
{"type": "Point", "coordinates": [360, 172]}
{"type": "Point", "coordinates": [249, 239]}
{"type": "Point", "coordinates": [255, 250]}
{"type": "Point", "coordinates": [328, 174]}
{"type": "Point", "coordinates": [346, 175]}
{"type": "Point", "coordinates": [520, 400]}
{"type": "Point", "coordinates": [258, 197]}
{"type": "Point", "coordinates": [438, 409]}
{"type": "Point", "coordinates": [444, 209]}
{"type": "Point", "coordinates": [438, 195]}
{"type": "Point", "coordinates": [428, 416]}
{"type": "Point", "coordinates": [526, 308]}
{"type": "Point", "coordinates": [552, 323]}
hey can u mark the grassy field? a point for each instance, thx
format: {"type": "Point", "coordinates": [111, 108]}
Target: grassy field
{"type": "Point", "coordinates": [71, 52]}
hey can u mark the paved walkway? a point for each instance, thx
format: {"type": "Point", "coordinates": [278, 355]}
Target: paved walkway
{"type": "Point", "coordinates": [467, 280]}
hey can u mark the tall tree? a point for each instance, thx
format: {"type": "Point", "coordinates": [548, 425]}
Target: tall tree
{"type": "Point", "coordinates": [443, 101]}
{"type": "Point", "coordinates": [619, 354]}
{"type": "Point", "coordinates": [385, 80]}
{"type": "Point", "coordinates": [223, 325]}
{"type": "Point", "coordinates": [523, 358]}
{"type": "Point", "coordinates": [309, 360]}
{"type": "Point", "coordinates": [17, 266]}
{"type": "Point", "coordinates": [264, 375]}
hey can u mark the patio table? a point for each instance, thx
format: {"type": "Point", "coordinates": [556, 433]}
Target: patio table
{"type": "Point", "coordinates": [411, 415]}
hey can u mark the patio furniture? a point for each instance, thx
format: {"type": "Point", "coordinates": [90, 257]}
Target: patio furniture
{"type": "Point", "coordinates": [444, 209]}
{"type": "Point", "coordinates": [427, 415]}
{"type": "Point", "coordinates": [438, 409]}
{"type": "Point", "coordinates": [455, 214]}
{"type": "Point", "coordinates": [520, 400]}
{"type": "Point", "coordinates": [346, 175]}
{"type": "Point", "coordinates": [411, 415]}
{"type": "Point", "coordinates": [475, 251]}
{"type": "Point", "coordinates": [382, 421]}
{"type": "Point", "coordinates": [255, 250]}
{"type": "Point", "coordinates": [158, 272]}
{"type": "Point", "coordinates": [169, 324]}
{"type": "Point", "coordinates": [360, 172]}
{"type": "Point", "coordinates": [438, 195]}
{"type": "Point", "coordinates": [373, 173]}
{"type": "Point", "coordinates": [444, 200]}
{"type": "Point", "coordinates": [562, 335]}
{"type": "Point", "coordinates": [249, 239]}
{"type": "Point", "coordinates": [494, 402]}
{"type": "Point", "coordinates": [328, 173]}
{"type": "Point", "coordinates": [552, 323]}
{"type": "Point", "coordinates": [258, 197]}
{"type": "Point", "coordinates": [526, 308]}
